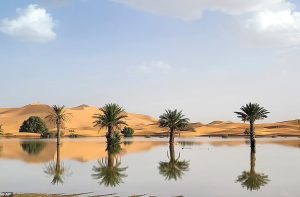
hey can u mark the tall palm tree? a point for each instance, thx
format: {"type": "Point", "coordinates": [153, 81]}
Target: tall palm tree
{"type": "Point", "coordinates": [174, 120]}
{"type": "Point", "coordinates": [112, 117]}
{"type": "Point", "coordinates": [173, 169]}
{"type": "Point", "coordinates": [109, 171]}
{"type": "Point", "coordinates": [250, 113]}
{"type": "Point", "coordinates": [56, 169]}
{"type": "Point", "coordinates": [251, 179]}
{"type": "Point", "coordinates": [58, 116]}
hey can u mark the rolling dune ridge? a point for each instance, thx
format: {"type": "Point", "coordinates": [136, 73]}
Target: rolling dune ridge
{"type": "Point", "coordinates": [81, 121]}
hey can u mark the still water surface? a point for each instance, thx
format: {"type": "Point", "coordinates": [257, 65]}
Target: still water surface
{"type": "Point", "coordinates": [203, 167]}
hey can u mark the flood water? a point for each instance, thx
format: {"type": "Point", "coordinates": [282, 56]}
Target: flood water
{"type": "Point", "coordinates": [202, 167]}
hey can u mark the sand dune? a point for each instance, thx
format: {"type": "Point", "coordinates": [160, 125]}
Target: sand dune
{"type": "Point", "coordinates": [81, 121]}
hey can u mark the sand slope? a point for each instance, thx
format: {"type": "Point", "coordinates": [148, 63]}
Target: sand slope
{"type": "Point", "coordinates": [81, 121]}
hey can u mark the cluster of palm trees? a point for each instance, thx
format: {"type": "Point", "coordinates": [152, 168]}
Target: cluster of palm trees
{"type": "Point", "coordinates": [112, 117]}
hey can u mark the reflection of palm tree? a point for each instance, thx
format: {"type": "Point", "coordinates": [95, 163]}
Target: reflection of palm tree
{"type": "Point", "coordinates": [173, 169]}
{"type": "Point", "coordinates": [109, 171]}
{"type": "Point", "coordinates": [56, 169]}
{"type": "Point", "coordinates": [33, 147]}
{"type": "Point", "coordinates": [251, 179]}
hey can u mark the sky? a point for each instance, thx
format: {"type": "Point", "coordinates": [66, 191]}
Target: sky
{"type": "Point", "coordinates": [204, 57]}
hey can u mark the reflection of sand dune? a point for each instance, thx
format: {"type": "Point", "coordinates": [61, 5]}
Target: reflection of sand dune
{"type": "Point", "coordinates": [283, 142]}
{"type": "Point", "coordinates": [13, 150]}
{"type": "Point", "coordinates": [89, 150]}
{"type": "Point", "coordinates": [70, 150]}
{"type": "Point", "coordinates": [81, 120]}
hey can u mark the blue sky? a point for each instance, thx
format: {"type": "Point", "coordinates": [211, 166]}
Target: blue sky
{"type": "Point", "coordinates": [206, 58]}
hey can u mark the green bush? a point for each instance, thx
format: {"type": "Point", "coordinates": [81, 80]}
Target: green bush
{"type": "Point", "coordinates": [127, 132]}
{"type": "Point", "coordinates": [73, 134]}
{"type": "Point", "coordinates": [47, 134]}
{"type": "Point", "coordinates": [33, 124]}
{"type": "Point", "coordinates": [114, 144]}
{"type": "Point", "coordinates": [1, 130]}
{"type": "Point", "coordinates": [50, 134]}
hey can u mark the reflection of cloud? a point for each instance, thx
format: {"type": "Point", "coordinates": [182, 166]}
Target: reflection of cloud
{"type": "Point", "coordinates": [32, 24]}
{"type": "Point", "coordinates": [154, 66]}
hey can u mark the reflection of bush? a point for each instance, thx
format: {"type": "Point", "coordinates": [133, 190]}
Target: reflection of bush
{"type": "Point", "coordinates": [127, 143]}
{"type": "Point", "coordinates": [33, 147]}
{"type": "Point", "coordinates": [186, 143]}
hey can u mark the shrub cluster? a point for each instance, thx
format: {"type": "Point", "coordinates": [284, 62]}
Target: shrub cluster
{"type": "Point", "coordinates": [127, 132]}
{"type": "Point", "coordinates": [33, 124]}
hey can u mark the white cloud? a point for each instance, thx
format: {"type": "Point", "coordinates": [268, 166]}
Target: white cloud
{"type": "Point", "coordinates": [193, 9]}
{"type": "Point", "coordinates": [264, 22]}
{"type": "Point", "coordinates": [159, 66]}
{"type": "Point", "coordinates": [32, 24]}
{"type": "Point", "coordinates": [281, 27]}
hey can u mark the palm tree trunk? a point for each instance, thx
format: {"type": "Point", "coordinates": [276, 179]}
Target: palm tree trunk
{"type": "Point", "coordinates": [58, 134]}
{"type": "Point", "coordinates": [109, 133]}
{"type": "Point", "coordinates": [252, 136]}
{"type": "Point", "coordinates": [172, 133]}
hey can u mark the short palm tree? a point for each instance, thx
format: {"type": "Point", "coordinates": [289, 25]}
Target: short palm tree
{"type": "Point", "coordinates": [250, 113]}
{"type": "Point", "coordinates": [58, 116]}
{"type": "Point", "coordinates": [251, 179]}
{"type": "Point", "coordinates": [112, 117]}
{"type": "Point", "coordinates": [173, 169]}
{"type": "Point", "coordinates": [109, 171]}
{"type": "Point", "coordinates": [174, 120]}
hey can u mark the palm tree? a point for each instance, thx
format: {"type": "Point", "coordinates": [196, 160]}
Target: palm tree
{"type": "Point", "coordinates": [56, 169]}
{"type": "Point", "coordinates": [250, 113]}
{"type": "Point", "coordinates": [58, 116]}
{"type": "Point", "coordinates": [173, 169]}
{"type": "Point", "coordinates": [251, 179]}
{"type": "Point", "coordinates": [109, 170]}
{"type": "Point", "coordinates": [112, 117]}
{"type": "Point", "coordinates": [174, 120]}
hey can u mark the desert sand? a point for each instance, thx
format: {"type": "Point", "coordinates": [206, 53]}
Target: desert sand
{"type": "Point", "coordinates": [81, 121]}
